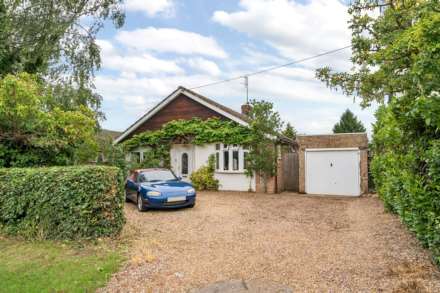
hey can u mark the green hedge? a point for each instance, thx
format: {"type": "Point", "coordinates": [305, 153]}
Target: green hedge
{"type": "Point", "coordinates": [406, 171]}
{"type": "Point", "coordinates": [61, 202]}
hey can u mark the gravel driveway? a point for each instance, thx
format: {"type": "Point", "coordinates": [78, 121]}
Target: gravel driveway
{"type": "Point", "coordinates": [305, 243]}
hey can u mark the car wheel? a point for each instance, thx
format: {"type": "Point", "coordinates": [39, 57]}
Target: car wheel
{"type": "Point", "coordinates": [192, 205]}
{"type": "Point", "coordinates": [140, 205]}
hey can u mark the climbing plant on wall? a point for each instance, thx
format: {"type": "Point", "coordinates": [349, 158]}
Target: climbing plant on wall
{"type": "Point", "coordinates": [194, 131]}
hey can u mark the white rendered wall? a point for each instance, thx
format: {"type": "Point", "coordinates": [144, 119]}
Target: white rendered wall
{"type": "Point", "coordinates": [232, 180]}
{"type": "Point", "coordinates": [176, 152]}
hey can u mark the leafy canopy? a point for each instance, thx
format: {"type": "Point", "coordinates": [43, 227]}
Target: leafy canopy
{"type": "Point", "coordinates": [289, 131]}
{"type": "Point", "coordinates": [265, 125]}
{"type": "Point", "coordinates": [348, 123]}
{"type": "Point", "coordinates": [56, 40]}
{"type": "Point", "coordinates": [395, 55]}
{"type": "Point", "coordinates": [34, 131]}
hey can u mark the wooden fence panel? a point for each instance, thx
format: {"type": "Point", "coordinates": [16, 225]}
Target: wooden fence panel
{"type": "Point", "coordinates": [291, 171]}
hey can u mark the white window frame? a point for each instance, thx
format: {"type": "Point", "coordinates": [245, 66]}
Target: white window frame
{"type": "Point", "coordinates": [230, 149]}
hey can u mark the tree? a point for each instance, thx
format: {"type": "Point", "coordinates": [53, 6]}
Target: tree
{"type": "Point", "coordinates": [348, 123]}
{"type": "Point", "coordinates": [56, 41]}
{"type": "Point", "coordinates": [394, 54]}
{"type": "Point", "coordinates": [289, 131]}
{"type": "Point", "coordinates": [396, 58]}
{"type": "Point", "coordinates": [265, 125]}
{"type": "Point", "coordinates": [33, 133]}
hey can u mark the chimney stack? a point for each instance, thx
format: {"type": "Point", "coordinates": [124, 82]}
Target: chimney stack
{"type": "Point", "coordinates": [246, 109]}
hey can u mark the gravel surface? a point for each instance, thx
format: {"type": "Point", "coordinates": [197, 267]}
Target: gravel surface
{"type": "Point", "coordinates": [312, 244]}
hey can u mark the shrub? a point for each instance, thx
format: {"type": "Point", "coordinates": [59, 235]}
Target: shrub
{"type": "Point", "coordinates": [61, 202]}
{"type": "Point", "coordinates": [203, 178]}
{"type": "Point", "coordinates": [406, 171]}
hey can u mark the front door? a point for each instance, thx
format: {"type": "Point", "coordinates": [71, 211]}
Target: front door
{"type": "Point", "coordinates": [182, 160]}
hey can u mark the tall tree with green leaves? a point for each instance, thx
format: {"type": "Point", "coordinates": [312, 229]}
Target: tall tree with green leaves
{"type": "Point", "coordinates": [265, 125]}
{"type": "Point", "coordinates": [289, 131]}
{"type": "Point", "coordinates": [348, 123]}
{"type": "Point", "coordinates": [34, 133]}
{"type": "Point", "coordinates": [396, 58]}
{"type": "Point", "coordinates": [56, 40]}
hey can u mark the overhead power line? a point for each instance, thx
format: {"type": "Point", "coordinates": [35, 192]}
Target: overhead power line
{"type": "Point", "coordinates": [271, 68]}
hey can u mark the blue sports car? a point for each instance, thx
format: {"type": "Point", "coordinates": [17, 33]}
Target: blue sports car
{"type": "Point", "coordinates": [158, 188]}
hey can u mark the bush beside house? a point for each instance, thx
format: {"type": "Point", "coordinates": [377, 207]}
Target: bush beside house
{"type": "Point", "coordinates": [61, 202]}
{"type": "Point", "coordinates": [203, 178]}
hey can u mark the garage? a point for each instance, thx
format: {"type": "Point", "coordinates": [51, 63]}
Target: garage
{"type": "Point", "coordinates": [333, 164]}
{"type": "Point", "coordinates": [332, 171]}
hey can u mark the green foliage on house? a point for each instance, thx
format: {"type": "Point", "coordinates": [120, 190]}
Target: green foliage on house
{"type": "Point", "coordinates": [195, 131]}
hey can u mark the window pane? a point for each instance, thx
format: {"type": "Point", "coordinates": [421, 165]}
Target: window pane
{"type": "Point", "coordinates": [217, 160]}
{"type": "Point", "coordinates": [184, 164]}
{"type": "Point", "coordinates": [156, 175]}
{"type": "Point", "coordinates": [225, 146]}
{"type": "Point", "coordinates": [217, 147]}
{"type": "Point", "coordinates": [235, 160]}
{"type": "Point", "coordinates": [226, 160]}
{"type": "Point", "coordinates": [245, 157]}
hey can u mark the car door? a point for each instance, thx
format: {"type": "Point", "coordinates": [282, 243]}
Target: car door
{"type": "Point", "coordinates": [131, 186]}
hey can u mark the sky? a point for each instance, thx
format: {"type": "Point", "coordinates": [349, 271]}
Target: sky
{"type": "Point", "coordinates": [168, 43]}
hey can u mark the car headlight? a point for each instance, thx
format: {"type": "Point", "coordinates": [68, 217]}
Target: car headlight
{"type": "Point", "coordinates": [191, 191]}
{"type": "Point", "coordinates": [153, 193]}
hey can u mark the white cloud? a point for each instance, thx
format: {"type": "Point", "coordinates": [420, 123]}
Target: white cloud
{"type": "Point", "coordinates": [147, 73]}
{"type": "Point", "coordinates": [295, 29]}
{"type": "Point", "coordinates": [138, 63]}
{"type": "Point", "coordinates": [136, 105]}
{"type": "Point", "coordinates": [204, 66]}
{"type": "Point", "coordinates": [255, 57]}
{"type": "Point", "coordinates": [307, 104]}
{"type": "Point", "coordinates": [151, 7]}
{"type": "Point", "coordinates": [171, 40]}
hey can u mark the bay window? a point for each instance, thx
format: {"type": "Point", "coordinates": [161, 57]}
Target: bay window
{"type": "Point", "coordinates": [230, 158]}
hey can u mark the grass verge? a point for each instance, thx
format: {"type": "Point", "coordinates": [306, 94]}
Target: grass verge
{"type": "Point", "coordinates": [48, 266]}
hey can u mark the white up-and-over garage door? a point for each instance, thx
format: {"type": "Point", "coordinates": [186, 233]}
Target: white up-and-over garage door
{"type": "Point", "coordinates": [332, 171]}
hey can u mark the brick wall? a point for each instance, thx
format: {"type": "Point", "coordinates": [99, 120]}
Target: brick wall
{"type": "Point", "coordinates": [346, 140]}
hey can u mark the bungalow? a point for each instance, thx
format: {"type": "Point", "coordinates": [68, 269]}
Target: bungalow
{"type": "Point", "coordinates": [323, 164]}
{"type": "Point", "coordinates": [185, 158]}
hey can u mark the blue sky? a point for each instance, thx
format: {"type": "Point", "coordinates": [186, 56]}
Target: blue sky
{"type": "Point", "coordinates": [167, 43]}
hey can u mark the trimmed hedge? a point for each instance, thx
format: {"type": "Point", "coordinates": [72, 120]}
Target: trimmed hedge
{"type": "Point", "coordinates": [406, 170]}
{"type": "Point", "coordinates": [62, 202]}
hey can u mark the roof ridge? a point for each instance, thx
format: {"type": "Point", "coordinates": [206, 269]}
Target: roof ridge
{"type": "Point", "coordinates": [217, 104]}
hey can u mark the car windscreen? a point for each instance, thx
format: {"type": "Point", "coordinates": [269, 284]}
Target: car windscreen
{"type": "Point", "coordinates": [156, 175]}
